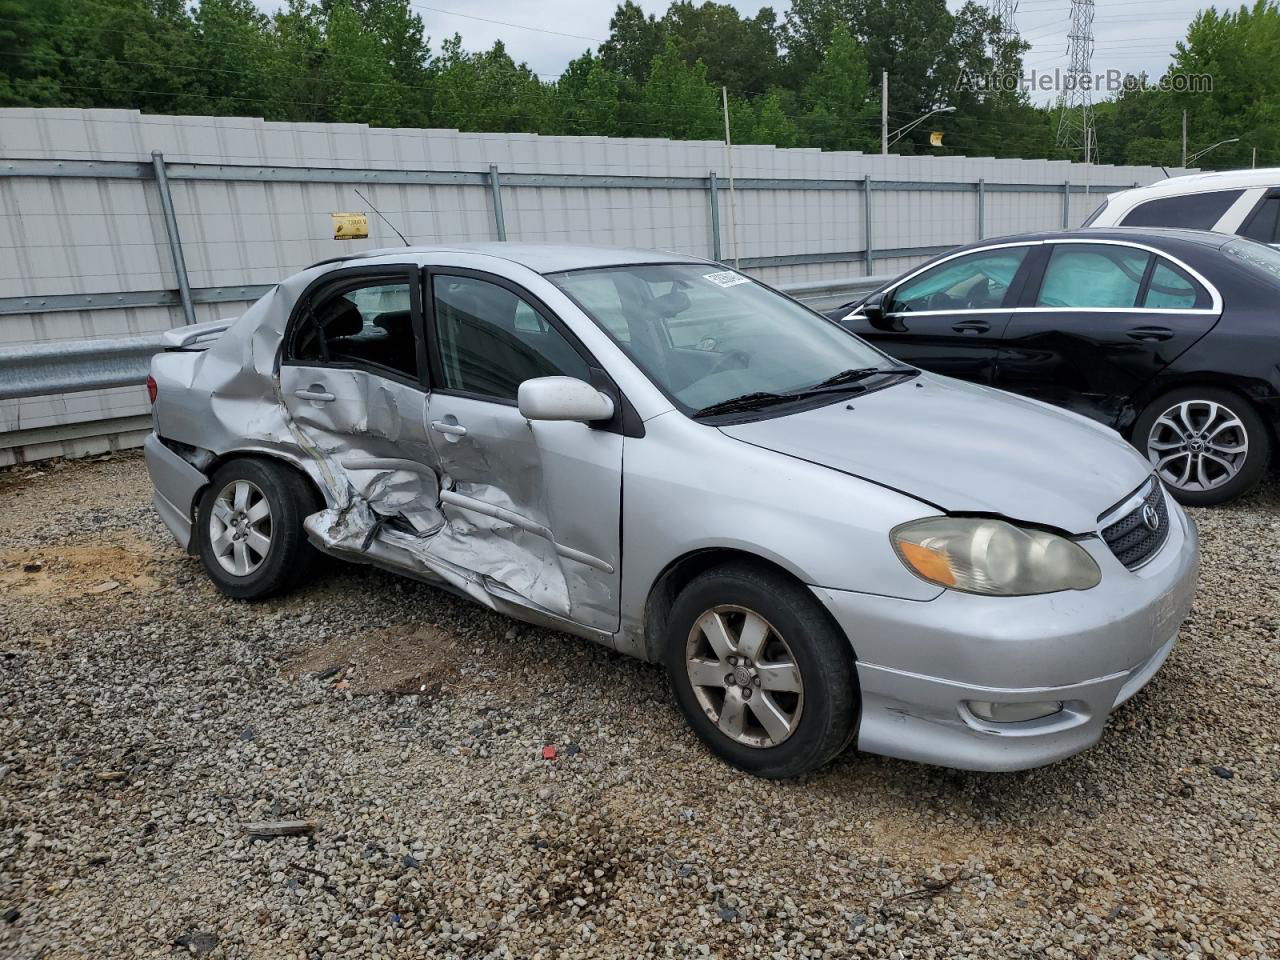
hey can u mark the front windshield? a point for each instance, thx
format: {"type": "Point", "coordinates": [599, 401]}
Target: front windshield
{"type": "Point", "coordinates": [705, 335]}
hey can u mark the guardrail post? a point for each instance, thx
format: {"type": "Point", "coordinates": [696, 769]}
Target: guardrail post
{"type": "Point", "coordinates": [866, 222]}
{"type": "Point", "coordinates": [495, 188]}
{"type": "Point", "coordinates": [713, 197]}
{"type": "Point", "coordinates": [1066, 205]}
{"type": "Point", "coordinates": [982, 207]}
{"type": "Point", "coordinates": [175, 241]}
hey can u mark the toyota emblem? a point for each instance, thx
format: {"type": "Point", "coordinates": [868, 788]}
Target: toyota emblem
{"type": "Point", "coordinates": [1151, 518]}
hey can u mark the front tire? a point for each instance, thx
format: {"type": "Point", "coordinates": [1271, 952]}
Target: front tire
{"type": "Point", "coordinates": [763, 675]}
{"type": "Point", "coordinates": [1208, 445]}
{"type": "Point", "coordinates": [248, 528]}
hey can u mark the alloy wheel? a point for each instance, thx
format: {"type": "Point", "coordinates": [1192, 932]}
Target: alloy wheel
{"type": "Point", "coordinates": [1198, 445]}
{"type": "Point", "coordinates": [744, 676]}
{"type": "Point", "coordinates": [240, 527]}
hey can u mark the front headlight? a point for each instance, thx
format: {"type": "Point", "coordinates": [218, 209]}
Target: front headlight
{"type": "Point", "coordinates": [979, 555]}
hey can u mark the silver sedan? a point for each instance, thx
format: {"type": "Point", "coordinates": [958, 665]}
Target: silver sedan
{"type": "Point", "coordinates": [822, 545]}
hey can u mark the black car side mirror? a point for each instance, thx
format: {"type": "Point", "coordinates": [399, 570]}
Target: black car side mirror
{"type": "Point", "coordinates": [873, 309]}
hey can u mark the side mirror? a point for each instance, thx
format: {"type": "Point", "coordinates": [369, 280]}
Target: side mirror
{"type": "Point", "coordinates": [873, 309]}
{"type": "Point", "coordinates": [563, 398]}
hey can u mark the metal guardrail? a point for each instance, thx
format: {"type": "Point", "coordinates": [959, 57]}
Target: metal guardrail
{"type": "Point", "coordinates": [73, 366]}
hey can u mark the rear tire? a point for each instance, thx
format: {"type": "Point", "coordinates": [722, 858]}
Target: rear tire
{"type": "Point", "coordinates": [1208, 445]}
{"type": "Point", "coordinates": [248, 528]}
{"type": "Point", "coordinates": [763, 675]}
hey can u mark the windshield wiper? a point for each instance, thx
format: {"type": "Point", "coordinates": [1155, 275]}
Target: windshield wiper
{"type": "Point", "coordinates": [748, 401]}
{"type": "Point", "coordinates": [846, 377]}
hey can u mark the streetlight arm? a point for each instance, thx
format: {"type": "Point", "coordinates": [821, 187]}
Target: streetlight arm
{"type": "Point", "coordinates": [903, 131]}
{"type": "Point", "coordinates": [1196, 156]}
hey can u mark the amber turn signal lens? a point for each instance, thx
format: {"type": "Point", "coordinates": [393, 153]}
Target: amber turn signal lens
{"type": "Point", "coordinates": [930, 564]}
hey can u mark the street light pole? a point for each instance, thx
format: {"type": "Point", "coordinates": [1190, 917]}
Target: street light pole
{"type": "Point", "coordinates": [1196, 156]}
{"type": "Point", "coordinates": [891, 139]}
{"type": "Point", "coordinates": [884, 113]}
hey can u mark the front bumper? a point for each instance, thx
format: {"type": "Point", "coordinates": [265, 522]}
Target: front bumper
{"type": "Point", "coordinates": [175, 485]}
{"type": "Point", "coordinates": [919, 663]}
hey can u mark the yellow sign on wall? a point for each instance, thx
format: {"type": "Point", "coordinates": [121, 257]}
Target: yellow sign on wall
{"type": "Point", "coordinates": [935, 138]}
{"type": "Point", "coordinates": [350, 226]}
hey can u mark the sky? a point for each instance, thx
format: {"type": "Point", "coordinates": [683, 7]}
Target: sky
{"type": "Point", "coordinates": [1130, 35]}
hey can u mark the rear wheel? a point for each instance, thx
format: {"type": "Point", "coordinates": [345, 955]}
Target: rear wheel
{"type": "Point", "coordinates": [762, 674]}
{"type": "Point", "coordinates": [249, 531]}
{"type": "Point", "coordinates": [1208, 445]}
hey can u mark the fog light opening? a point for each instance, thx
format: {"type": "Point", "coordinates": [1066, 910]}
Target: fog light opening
{"type": "Point", "coordinates": [996, 712]}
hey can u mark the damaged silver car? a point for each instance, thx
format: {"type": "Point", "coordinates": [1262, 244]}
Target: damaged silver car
{"type": "Point", "coordinates": [822, 545]}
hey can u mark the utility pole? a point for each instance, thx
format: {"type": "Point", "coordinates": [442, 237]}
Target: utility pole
{"type": "Point", "coordinates": [728, 162]}
{"type": "Point", "coordinates": [1184, 139]}
{"type": "Point", "coordinates": [1004, 10]}
{"type": "Point", "coordinates": [1075, 105]}
{"type": "Point", "coordinates": [1255, 157]}
{"type": "Point", "coordinates": [884, 113]}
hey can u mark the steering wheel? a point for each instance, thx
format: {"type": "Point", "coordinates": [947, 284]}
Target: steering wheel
{"type": "Point", "coordinates": [740, 356]}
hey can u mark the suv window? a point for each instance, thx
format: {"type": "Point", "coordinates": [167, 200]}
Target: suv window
{"type": "Point", "coordinates": [490, 340]}
{"type": "Point", "coordinates": [1261, 226]}
{"type": "Point", "coordinates": [976, 281]}
{"type": "Point", "coordinates": [365, 322]}
{"type": "Point", "coordinates": [1197, 211]}
{"type": "Point", "coordinates": [1171, 289]}
{"type": "Point", "coordinates": [1092, 275]}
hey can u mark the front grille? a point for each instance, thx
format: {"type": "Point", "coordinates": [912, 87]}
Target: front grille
{"type": "Point", "coordinates": [1131, 538]}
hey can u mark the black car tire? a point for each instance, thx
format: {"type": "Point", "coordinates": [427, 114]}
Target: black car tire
{"type": "Point", "coordinates": [799, 629]}
{"type": "Point", "coordinates": [289, 558]}
{"type": "Point", "coordinates": [1253, 465]}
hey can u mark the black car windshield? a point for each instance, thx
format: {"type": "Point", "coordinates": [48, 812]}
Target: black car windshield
{"type": "Point", "coordinates": [706, 335]}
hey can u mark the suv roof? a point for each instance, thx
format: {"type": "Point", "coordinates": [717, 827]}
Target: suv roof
{"type": "Point", "coordinates": [1200, 182]}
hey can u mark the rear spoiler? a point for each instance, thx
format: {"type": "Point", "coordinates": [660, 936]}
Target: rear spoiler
{"type": "Point", "coordinates": [196, 336]}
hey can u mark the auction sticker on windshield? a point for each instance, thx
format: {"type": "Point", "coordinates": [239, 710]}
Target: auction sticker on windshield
{"type": "Point", "coordinates": [726, 278]}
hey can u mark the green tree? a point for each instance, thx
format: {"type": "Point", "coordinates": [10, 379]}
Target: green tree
{"type": "Point", "coordinates": [838, 115]}
{"type": "Point", "coordinates": [678, 101]}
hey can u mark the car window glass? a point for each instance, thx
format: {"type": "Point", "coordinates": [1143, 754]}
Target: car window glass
{"type": "Point", "coordinates": [1096, 214]}
{"type": "Point", "coordinates": [977, 281]}
{"type": "Point", "coordinates": [705, 334]}
{"type": "Point", "coordinates": [1170, 288]}
{"type": "Point", "coordinates": [1258, 257]}
{"type": "Point", "coordinates": [1197, 211]}
{"type": "Point", "coordinates": [367, 325]}
{"type": "Point", "coordinates": [1262, 225]}
{"type": "Point", "coordinates": [1092, 275]}
{"type": "Point", "coordinates": [490, 340]}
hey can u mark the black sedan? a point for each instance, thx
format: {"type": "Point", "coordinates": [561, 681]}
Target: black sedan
{"type": "Point", "coordinates": [1172, 337]}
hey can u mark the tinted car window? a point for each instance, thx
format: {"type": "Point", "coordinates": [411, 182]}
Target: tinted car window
{"type": "Point", "coordinates": [1096, 214]}
{"type": "Point", "coordinates": [366, 325]}
{"type": "Point", "coordinates": [1198, 211]}
{"type": "Point", "coordinates": [1258, 257]}
{"type": "Point", "coordinates": [1092, 275]}
{"type": "Point", "coordinates": [976, 281]}
{"type": "Point", "coordinates": [490, 340]}
{"type": "Point", "coordinates": [1262, 225]}
{"type": "Point", "coordinates": [1171, 289]}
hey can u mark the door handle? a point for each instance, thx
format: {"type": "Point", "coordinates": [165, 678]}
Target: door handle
{"type": "Point", "coordinates": [315, 392]}
{"type": "Point", "coordinates": [1149, 334]}
{"type": "Point", "coordinates": [972, 326]}
{"type": "Point", "coordinates": [449, 429]}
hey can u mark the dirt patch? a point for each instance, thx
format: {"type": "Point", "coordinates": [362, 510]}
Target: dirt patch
{"type": "Point", "coordinates": [77, 570]}
{"type": "Point", "coordinates": [401, 661]}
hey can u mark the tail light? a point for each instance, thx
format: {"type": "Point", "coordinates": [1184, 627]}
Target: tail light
{"type": "Point", "coordinates": [151, 389]}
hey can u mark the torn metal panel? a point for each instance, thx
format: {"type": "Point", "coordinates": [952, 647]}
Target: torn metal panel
{"type": "Point", "coordinates": [519, 517]}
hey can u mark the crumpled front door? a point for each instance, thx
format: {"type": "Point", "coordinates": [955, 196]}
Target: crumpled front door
{"type": "Point", "coordinates": [533, 506]}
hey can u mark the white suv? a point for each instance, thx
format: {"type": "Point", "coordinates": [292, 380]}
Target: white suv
{"type": "Point", "coordinates": [1244, 202]}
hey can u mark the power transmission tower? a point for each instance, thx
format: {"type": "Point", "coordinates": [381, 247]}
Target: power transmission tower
{"type": "Point", "coordinates": [1075, 103]}
{"type": "Point", "coordinates": [1004, 11]}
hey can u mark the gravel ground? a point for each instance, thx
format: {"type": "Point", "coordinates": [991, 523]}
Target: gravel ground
{"type": "Point", "coordinates": [145, 719]}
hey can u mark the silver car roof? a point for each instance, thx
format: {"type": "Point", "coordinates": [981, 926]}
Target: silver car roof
{"type": "Point", "coordinates": [540, 257]}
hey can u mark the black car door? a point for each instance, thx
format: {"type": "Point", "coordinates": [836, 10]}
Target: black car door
{"type": "Point", "coordinates": [949, 317]}
{"type": "Point", "coordinates": [1097, 323]}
